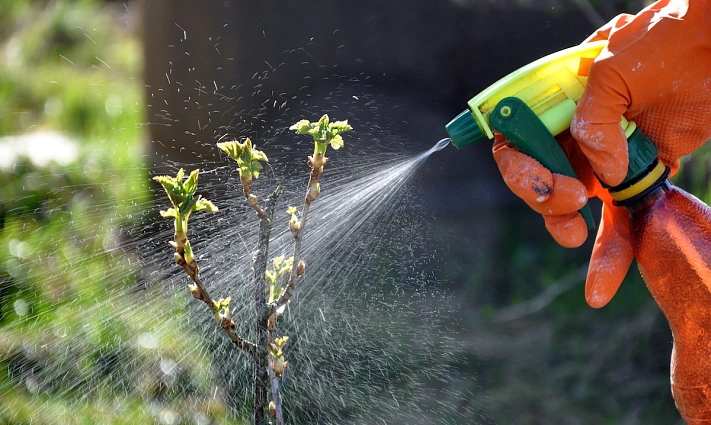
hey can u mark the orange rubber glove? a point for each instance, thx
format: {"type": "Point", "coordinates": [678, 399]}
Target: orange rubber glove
{"type": "Point", "coordinates": [656, 71]}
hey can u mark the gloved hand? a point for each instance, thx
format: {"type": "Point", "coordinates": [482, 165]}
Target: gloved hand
{"type": "Point", "coordinates": [656, 71]}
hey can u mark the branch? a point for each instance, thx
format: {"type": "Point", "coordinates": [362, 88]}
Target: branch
{"type": "Point", "coordinates": [592, 15]}
{"type": "Point", "coordinates": [542, 300]}
{"type": "Point", "coordinates": [276, 395]}
{"type": "Point", "coordinates": [260, 212]}
{"type": "Point", "coordinates": [290, 286]}
{"type": "Point", "coordinates": [260, 260]}
{"type": "Point", "coordinates": [260, 285]}
{"type": "Point", "coordinates": [252, 201]}
{"type": "Point", "coordinates": [200, 293]}
{"type": "Point", "coordinates": [227, 324]}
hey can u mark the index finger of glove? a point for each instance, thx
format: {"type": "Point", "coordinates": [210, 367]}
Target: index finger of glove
{"type": "Point", "coordinates": [525, 176]}
{"type": "Point", "coordinates": [545, 192]}
{"type": "Point", "coordinates": [596, 123]}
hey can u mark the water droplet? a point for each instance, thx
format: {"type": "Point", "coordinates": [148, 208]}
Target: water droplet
{"type": "Point", "coordinates": [19, 249]}
{"type": "Point", "coordinates": [21, 307]}
{"type": "Point", "coordinates": [32, 385]}
{"type": "Point", "coordinates": [147, 340]}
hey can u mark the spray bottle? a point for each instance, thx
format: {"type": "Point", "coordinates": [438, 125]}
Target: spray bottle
{"type": "Point", "coordinates": [671, 229]}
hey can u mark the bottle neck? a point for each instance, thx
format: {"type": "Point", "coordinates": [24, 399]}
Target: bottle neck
{"type": "Point", "coordinates": [648, 199]}
{"type": "Point", "coordinates": [643, 189]}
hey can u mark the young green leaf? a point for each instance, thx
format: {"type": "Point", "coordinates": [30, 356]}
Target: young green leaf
{"type": "Point", "coordinates": [170, 212]}
{"type": "Point", "coordinates": [294, 224]}
{"type": "Point", "coordinates": [337, 142]}
{"type": "Point", "coordinates": [301, 127]}
{"type": "Point", "coordinates": [323, 132]}
{"type": "Point", "coordinates": [248, 159]}
{"type": "Point", "coordinates": [205, 205]}
{"type": "Point", "coordinates": [181, 193]}
{"type": "Point", "coordinates": [277, 276]}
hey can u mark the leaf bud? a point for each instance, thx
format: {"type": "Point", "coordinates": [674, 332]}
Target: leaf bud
{"type": "Point", "coordinates": [197, 293]}
{"type": "Point", "coordinates": [278, 364]}
{"type": "Point", "coordinates": [314, 191]}
{"type": "Point", "coordinates": [227, 323]}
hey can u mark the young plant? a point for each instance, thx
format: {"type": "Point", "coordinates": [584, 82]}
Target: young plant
{"type": "Point", "coordinates": [249, 161]}
{"type": "Point", "coordinates": [181, 193]}
{"type": "Point", "coordinates": [274, 288]}
{"type": "Point", "coordinates": [324, 133]}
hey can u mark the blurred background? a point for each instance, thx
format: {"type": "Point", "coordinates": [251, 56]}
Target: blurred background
{"type": "Point", "coordinates": [473, 313]}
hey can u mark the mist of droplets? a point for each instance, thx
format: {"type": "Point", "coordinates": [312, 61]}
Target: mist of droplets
{"type": "Point", "coordinates": [367, 325]}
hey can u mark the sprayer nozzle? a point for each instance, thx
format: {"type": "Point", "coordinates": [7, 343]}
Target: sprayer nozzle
{"type": "Point", "coordinates": [464, 130]}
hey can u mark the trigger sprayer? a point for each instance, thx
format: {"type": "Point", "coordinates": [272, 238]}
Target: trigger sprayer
{"type": "Point", "coordinates": [535, 103]}
{"type": "Point", "coordinates": [670, 229]}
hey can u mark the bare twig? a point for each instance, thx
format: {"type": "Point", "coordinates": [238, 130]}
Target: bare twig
{"type": "Point", "coordinates": [276, 396]}
{"type": "Point", "coordinates": [540, 301]}
{"type": "Point", "coordinates": [285, 297]}
{"type": "Point", "coordinates": [591, 14]}
{"type": "Point", "coordinates": [308, 199]}
{"type": "Point", "coordinates": [201, 294]}
{"type": "Point", "coordinates": [259, 277]}
{"type": "Point", "coordinates": [311, 194]}
{"type": "Point", "coordinates": [260, 212]}
{"type": "Point", "coordinates": [229, 326]}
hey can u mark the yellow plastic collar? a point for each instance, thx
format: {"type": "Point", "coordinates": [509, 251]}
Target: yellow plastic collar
{"type": "Point", "coordinates": [641, 185]}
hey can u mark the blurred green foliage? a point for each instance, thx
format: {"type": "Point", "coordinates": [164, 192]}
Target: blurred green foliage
{"type": "Point", "coordinates": [81, 340]}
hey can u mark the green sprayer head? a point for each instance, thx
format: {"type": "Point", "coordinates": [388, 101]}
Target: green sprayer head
{"type": "Point", "coordinates": [464, 131]}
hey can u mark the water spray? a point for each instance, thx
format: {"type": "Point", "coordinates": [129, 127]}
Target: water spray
{"type": "Point", "coordinates": [441, 144]}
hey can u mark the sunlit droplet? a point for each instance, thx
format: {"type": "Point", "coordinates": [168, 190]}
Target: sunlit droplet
{"type": "Point", "coordinates": [21, 307]}
{"type": "Point", "coordinates": [169, 369]}
{"type": "Point", "coordinates": [148, 340]}
{"type": "Point", "coordinates": [19, 249]}
{"type": "Point", "coordinates": [32, 385]}
{"type": "Point", "coordinates": [168, 417]}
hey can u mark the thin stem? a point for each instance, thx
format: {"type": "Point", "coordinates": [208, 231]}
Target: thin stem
{"type": "Point", "coordinates": [260, 212]}
{"type": "Point", "coordinates": [276, 396]}
{"type": "Point", "coordinates": [205, 297]}
{"type": "Point", "coordinates": [260, 283]}
{"type": "Point", "coordinates": [229, 330]}
{"type": "Point", "coordinates": [290, 285]}
{"type": "Point", "coordinates": [592, 15]}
